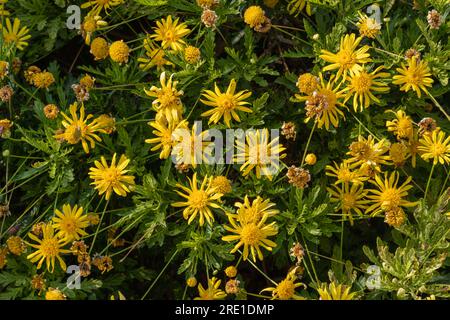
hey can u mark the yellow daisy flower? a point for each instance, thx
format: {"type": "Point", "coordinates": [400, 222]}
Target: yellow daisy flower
{"type": "Point", "coordinates": [285, 290]}
{"type": "Point", "coordinates": [402, 127]}
{"type": "Point", "coordinates": [258, 153]}
{"type": "Point", "coordinates": [199, 201]}
{"type": "Point", "coordinates": [344, 173]}
{"type": "Point", "coordinates": [212, 292]}
{"type": "Point", "coordinates": [362, 84]}
{"type": "Point", "coordinates": [368, 152]}
{"type": "Point", "coordinates": [435, 146]}
{"type": "Point", "coordinates": [415, 76]}
{"type": "Point", "coordinates": [248, 212]}
{"type": "Point", "coordinates": [98, 5]}
{"type": "Point", "coordinates": [225, 104]}
{"type": "Point", "coordinates": [192, 147]}
{"type": "Point", "coordinates": [348, 60]}
{"type": "Point", "coordinates": [295, 7]}
{"type": "Point", "coordinates": [3, 11]}
{"type": "Point", "coordinates": [324, 104]}
{"type": "Point", "coordinates": [388, 196]}
{"type": "Point", "coordinates": [14, 35]}
{"type": "Point", "coordinates": [252, 236]}
{"type": "Point", "coordinates": [165, 138]}
{"type": "Point", "coordinates": [350, 199]}
{"type": "Point", "coordinates": [167, 102]}
{"type": "Point", "coordinates": [170, 33]}
{"type": "Point", "coordinates": [90, 25]}
{"type": "Point", "coordinates": [112, 178]}
{"type": "Point", "coordinates": [368, 27]}
{"type": "Point", "coordinates": [335, 291]}
{"type": "Point", "coordinates": [48, 248]}
{"type": "Point", "coordinates": [70, 223]}
{"type": "Point", "coordinates": [78, 129]}
{"type": "Point", "coordinates": [155, 56]}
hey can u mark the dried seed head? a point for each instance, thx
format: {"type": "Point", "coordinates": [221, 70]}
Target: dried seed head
{"type": "Point", "coordinates": [6, 93]}
{"type": "Point", "coordinates": [288, 130]}
{"type": "Point", "coordinates": [298, 177]}
{"type": "Point", "coordinates": [434, 19]}
{"type": "Point", "coordinates": [209, 18]}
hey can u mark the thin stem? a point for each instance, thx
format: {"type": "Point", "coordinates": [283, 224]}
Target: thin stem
{"type": "Point", "coordinates": [98, 227]}
{"type": "Point", "coordinates": [260, 271]}
{"type": "Point", "coordinates": [438, 105]}
{"type": "Point", "coordinates": [428, 182]}
{"type": "Point", "coordinates": [307, 144]}
{"type": "Point", "coordinates": [159, 275]}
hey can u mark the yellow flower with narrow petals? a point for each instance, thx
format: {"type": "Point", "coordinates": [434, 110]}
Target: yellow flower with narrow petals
{"type": "Point", "coordinates": [361, 85]}
{"type": "Point", "coordinates": [388, 195]}
{"type": "Point", "coordinates": [97, 6]}
{"type": "Point", "coordinates": [78, 129]}
{"type": "Point", "coordinates": [259, 153]}
{"type": "Point", "coordinates": [199, 201]}
{"type": "Point", "coordinates": [251, 235]}
{"type": "Point", "coordinates": [253, 211]}
{"type": "Point", "coordinates": [48, 248]}
{"type": "Point", "coordinates": [225, 104]}
{"type": "Point", "coordinates": [349, 199]}
{"type": "Point", "coordinates": [368, 27]}
{"type": "Point", "coordinates": [285, 290]}
{"type": "Point", "coordinates": [154, 56]}
{"type": "Point", "coordinates": [368, 152]}
{"type": "Point", "coordinates": [165, 138]}
{"type": "Point", "coordinates": [212, 292]}
{"type": "Point", "coordinates": [170, 33]}
{"type": "Point", "coordinates": [14, 35]}
{"type": "Point", "coordinates": [295, 7]}
{"type": "Point", "coordinates": [348, 59]}
{"type": "Point", "coordinates": [402, 127]}
{"type": "Point", "coordinates": [54, 294]}
{"type": "Point", "coordinates": [415, 76]}
{"type": "Point", "coordinates": [435, 146]}
{"type": "Point", "coordinates": [335, 291]}
{"type": "Point", "coordinates": [70, 223]}
{"type": "Point", "coordinates": [112, 178]}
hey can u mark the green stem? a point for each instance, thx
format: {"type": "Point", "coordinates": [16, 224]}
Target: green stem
{"type": "Point", "coordinates": [307, 144]}
{"type": "Point", "coordinates": [159, 275]}
{"type": "Point", "coordinates": [438, 105]}
{"type": "Point", "coordinates": [98, 227]}
{"type": "Point", "coordinates": [428, 182]}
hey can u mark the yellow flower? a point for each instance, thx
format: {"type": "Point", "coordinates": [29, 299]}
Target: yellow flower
{"type": "Point", "coordinates": [350, 199]}
{"type": "Point", "coordinates": [51, 111]}
{"type": "Point", "coordinates": [112, 178]}
{"type": "Point", "coordinates": [5, 128]}
{"type": "Point", "coordinates": [254, 16]}
{"type": "Point", "coordinates": [252, 236]}
{"type": "Point", "coordinates": [165, 138]}
{"type": "Point", "coordinates": [435, 146]}
{"type": "Point", "coordinates": [212, 292]}
{"type": "Point", "coordinates": [4, 69]}
{"type": "Point", "coordinates": [307, 83]}
{"type": "Point", "coordinates": [167, 102]}
{"type": "Point", "coordinates": [3, 11]}
{"type": "Point", "coordinates": [222, 184]}
{"type": "Point", "coordinates": [54, 294]}
{"type": "Point", "coordinates": [344, 173]}
{"type": "Point", "coordinates": [154, 57]}
{"type": "Point", "coordinates": [258, 153]}
{"type": "Point", "coordinates": [70, 223]}
{"type": "Point", "coordinates": [310, 159]}
{"type": "Point", "coordinates": [191, 282]}
{"type": "Point", "coordinates": [335, 291]}
{"type": "Point", "coordinates": [207, 3]}
{"type": "Point", "coordinates": [398, 153]}
{"type": "Point", "coordinates": [248, 212]}
{"type": "Point", "coordinates": [402, 127]}
{"type": "Point", "coordinates": [192, 54]}
{"type": "Point", "coordinates": [295, 7]}
{"type": "Point", "coordinates": [43, 80]}
{"type": "Point", "coordinates": [367, 152]}
{"type": "Point", "coordinates": [231, 271]}
{"type": "Point", "coordinates": [361, 86]}
{"type": "Point", "coordinates": [16, 245]}
{"type": "Point", "coordinates": [348, 60]}
{"type": "Point", "coordinates": [90, 25]}
{"type": "Point", "coordinates": [199, 201]}
{"type": "Point", "coordinates": [106, 123]}
{"type": "Point", "coordinates": [170, 33]}
{"type": "Point", "coordinates": [14, 35]}
{"type": "Point", "coordinates": [119, 52]}
{"type": "Point", "coordinates": [285, 290]}
{"type": "Point", "coordinates": [395, 217]}
{"type": "Point", "coordinates": [415, 76]}
{"type": "Point", "coordinates": [225, 104]}
{"type": "Point", "coordinates": [87, 82]}
{"type": "Point", "coordinates": [388, 196]}
{"type": "Point", "coordinates": [99, 48]}
{"type": "Point", "coordinates": [3, 254]}
{"type": "Point", "coordinates": [78, 129]}
{"type": "Point", "coordinates": [324, 103]}
{"type": "Point", "coordinates": [48, 248]}
{"type": "Point", "coordinates": [368, 27]}
{"type": "Point", "coordinates": [98, 5]}
{"type": "Point", "coordinates": [192, 147]}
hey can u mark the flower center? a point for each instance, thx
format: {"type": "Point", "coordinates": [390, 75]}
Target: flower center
{"type": "Point", "coordinates": [345, 175]}
{"type": "Point", "coordinates": [111, 175]}
{"type": "Point", "coordinates": [69, 225]}
{"type": "Point", "coordinates": [285, 290]}
{"type": "Point", "coordinates": [167, 98]}
{"type": "Point", "coordinates": [329, 99]}
{"type": "Point", "coordinates": [346, 58]}
{"type": "Point", "coordinates": [348, 201]}
{"type": "Point", "coordinates": [362, 82]}
{"type": "Point", "coordinates": [199, 199]}
{"type": "Point", "coordinates": [390, 198]}
{"type": "Point", "coordinates": [50, 247]}
{"type": "Point", "coordinates": [251, 234]}
{"type": "Point", "coordinates": [226, 102]}
{"type": "Point", "coordinates": [103, 2]}
{"type": "Point", "coordinates": [10, 37]}
{"type": "Point", "coordinates": [437, 149]}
